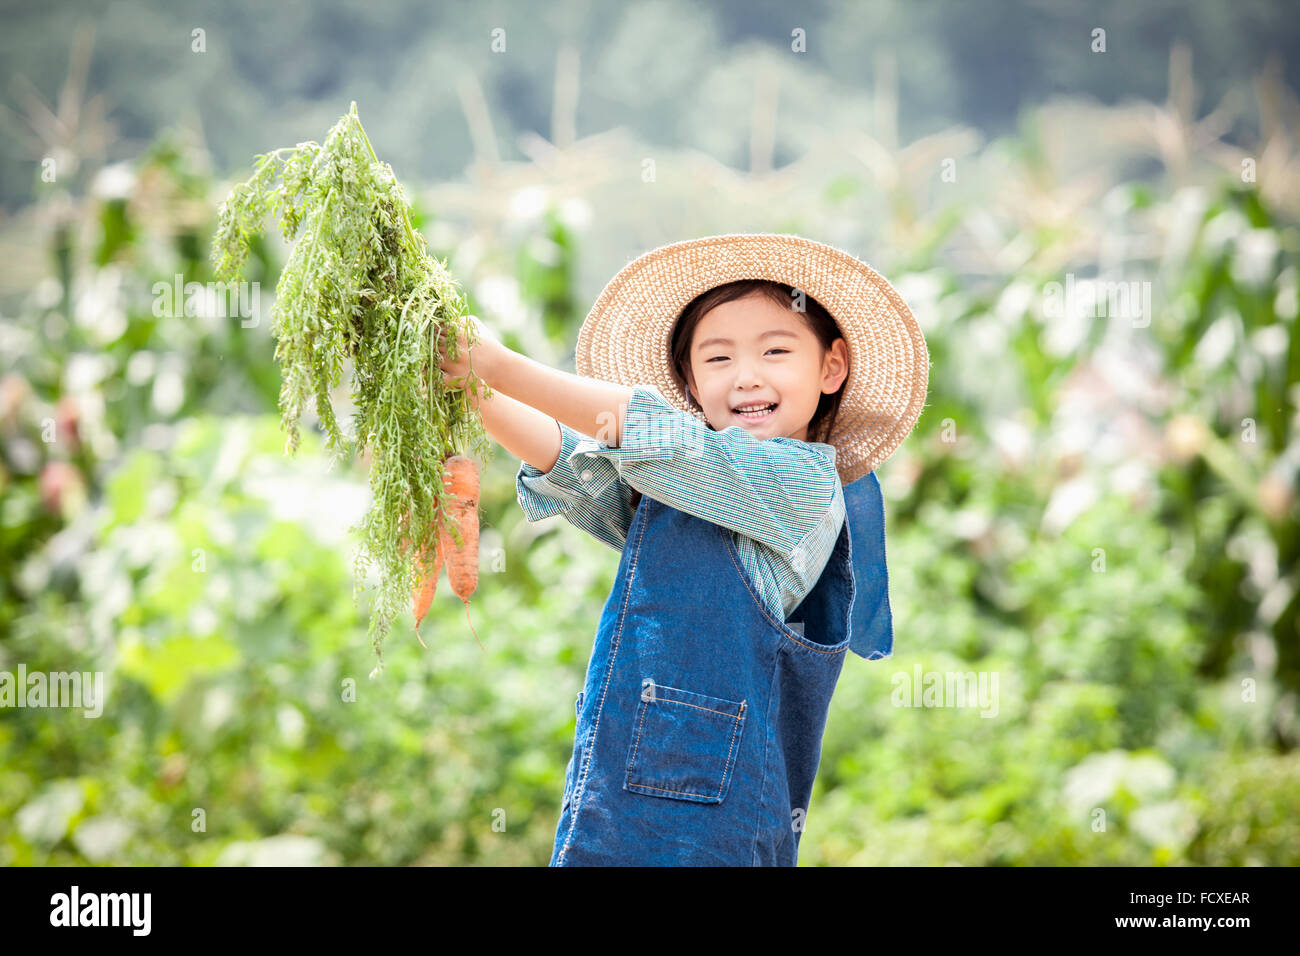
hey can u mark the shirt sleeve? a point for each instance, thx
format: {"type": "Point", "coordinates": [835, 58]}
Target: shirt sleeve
{"type": "Point", "coordinates": [782, 492]}
{"type": "Point", "coordinates": [605, 513]}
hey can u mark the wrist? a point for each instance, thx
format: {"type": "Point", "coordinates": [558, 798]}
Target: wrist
{"type": "Point", "coordinates": [491, 360]}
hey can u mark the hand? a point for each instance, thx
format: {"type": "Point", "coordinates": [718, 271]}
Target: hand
{"type": "Point", "coordinates": [457, 370]}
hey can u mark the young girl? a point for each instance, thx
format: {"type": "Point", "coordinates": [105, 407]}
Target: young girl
{"type": "Point", "coordinates": [736, 387]}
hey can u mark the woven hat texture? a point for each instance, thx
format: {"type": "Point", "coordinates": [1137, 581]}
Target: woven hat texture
{"type": "Point", "coordinates": [627, 336]}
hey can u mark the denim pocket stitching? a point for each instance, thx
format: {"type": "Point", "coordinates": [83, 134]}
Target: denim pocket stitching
{"type": "Point", "coordinates": [738, 720]}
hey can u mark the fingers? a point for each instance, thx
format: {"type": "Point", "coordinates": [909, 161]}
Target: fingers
{"type": "Point", "coordinates": [481, 331]}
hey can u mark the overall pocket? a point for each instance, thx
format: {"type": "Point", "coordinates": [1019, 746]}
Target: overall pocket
{"type": "Point", "coordinates": [684, 744]}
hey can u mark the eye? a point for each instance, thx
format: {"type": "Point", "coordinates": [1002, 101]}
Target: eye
{"type": "Point", "coordinates": [723, 357]}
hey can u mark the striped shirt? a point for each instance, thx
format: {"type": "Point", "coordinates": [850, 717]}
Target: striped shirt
{"type": "Point", "coordinates": [781, 498]}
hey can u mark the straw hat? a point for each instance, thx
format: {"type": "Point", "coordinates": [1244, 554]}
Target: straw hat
{"type": "Point", "coordinates": [628, 333]}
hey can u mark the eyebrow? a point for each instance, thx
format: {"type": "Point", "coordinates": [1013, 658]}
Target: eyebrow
{"type": "Point", "coordinates": [720, 341]}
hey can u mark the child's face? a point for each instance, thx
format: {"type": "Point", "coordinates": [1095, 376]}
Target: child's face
{"type": "Point", "coordinates": [768, 355]}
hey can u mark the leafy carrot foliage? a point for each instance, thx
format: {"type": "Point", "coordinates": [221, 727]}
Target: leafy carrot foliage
{"type": "Point", "coordinates": [359, 290]}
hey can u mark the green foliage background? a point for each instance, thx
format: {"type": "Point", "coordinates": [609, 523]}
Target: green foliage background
{"type": "Point", "coordinates": [1099, 511]}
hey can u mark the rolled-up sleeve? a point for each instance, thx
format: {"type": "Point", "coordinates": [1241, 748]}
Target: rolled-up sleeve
{"type": "Point", "coordinates": [782, 492]}
{"type": "Point", "coordinates": [593, 500]}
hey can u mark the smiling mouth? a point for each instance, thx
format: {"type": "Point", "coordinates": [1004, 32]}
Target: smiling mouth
{"type": "Point", "coordinates": [757, 415]}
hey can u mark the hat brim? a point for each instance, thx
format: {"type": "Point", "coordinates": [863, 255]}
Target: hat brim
{"type": "Point", "coordinates": [627, 334]}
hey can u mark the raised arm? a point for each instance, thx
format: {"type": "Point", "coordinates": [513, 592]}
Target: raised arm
{"type": "Point", "coordinates": [546, 483]}
{"type": "Point", "coordinates": [586, 405]}
{"type": "Point", "coordinates": [782, 492]}
{"type": "Point", "coordinates": [528, 434]}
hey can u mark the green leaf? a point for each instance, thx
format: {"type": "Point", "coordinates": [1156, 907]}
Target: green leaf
{"type": "Point", "coordinates": [165, 667]}
{"type": "Point", "coordinates": [128, 488]}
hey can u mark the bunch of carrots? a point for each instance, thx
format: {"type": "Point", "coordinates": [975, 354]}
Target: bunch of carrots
{"type": "Point", "coordinates": [461, 479]}
{"type": "Point", "coordinates": [360, 290]}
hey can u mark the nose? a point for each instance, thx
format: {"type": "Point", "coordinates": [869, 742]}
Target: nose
{"type": "Point", "coordinates": [747, 376]}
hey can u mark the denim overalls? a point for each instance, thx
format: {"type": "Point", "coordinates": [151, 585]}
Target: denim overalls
{"type": "Point", "coordinates": [700, 724]}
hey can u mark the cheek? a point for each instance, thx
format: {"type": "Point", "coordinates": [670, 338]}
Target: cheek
{"type": "Point", "coordinates": [711, 392]}
{"type": "Point", "coordinates": [800, 387]}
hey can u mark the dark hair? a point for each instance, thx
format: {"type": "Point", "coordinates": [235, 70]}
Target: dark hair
{"type": "Point", "coordinates": [816, 318]}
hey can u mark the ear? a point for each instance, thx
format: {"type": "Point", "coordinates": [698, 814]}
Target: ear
{"type": "Point", "coordinates": [835, 367]}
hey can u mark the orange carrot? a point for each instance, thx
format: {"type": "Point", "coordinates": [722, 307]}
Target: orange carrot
{"type": "Point", "coordinates": [462, 482]}
{"type": "Point", "coordinates": [424, 593]}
